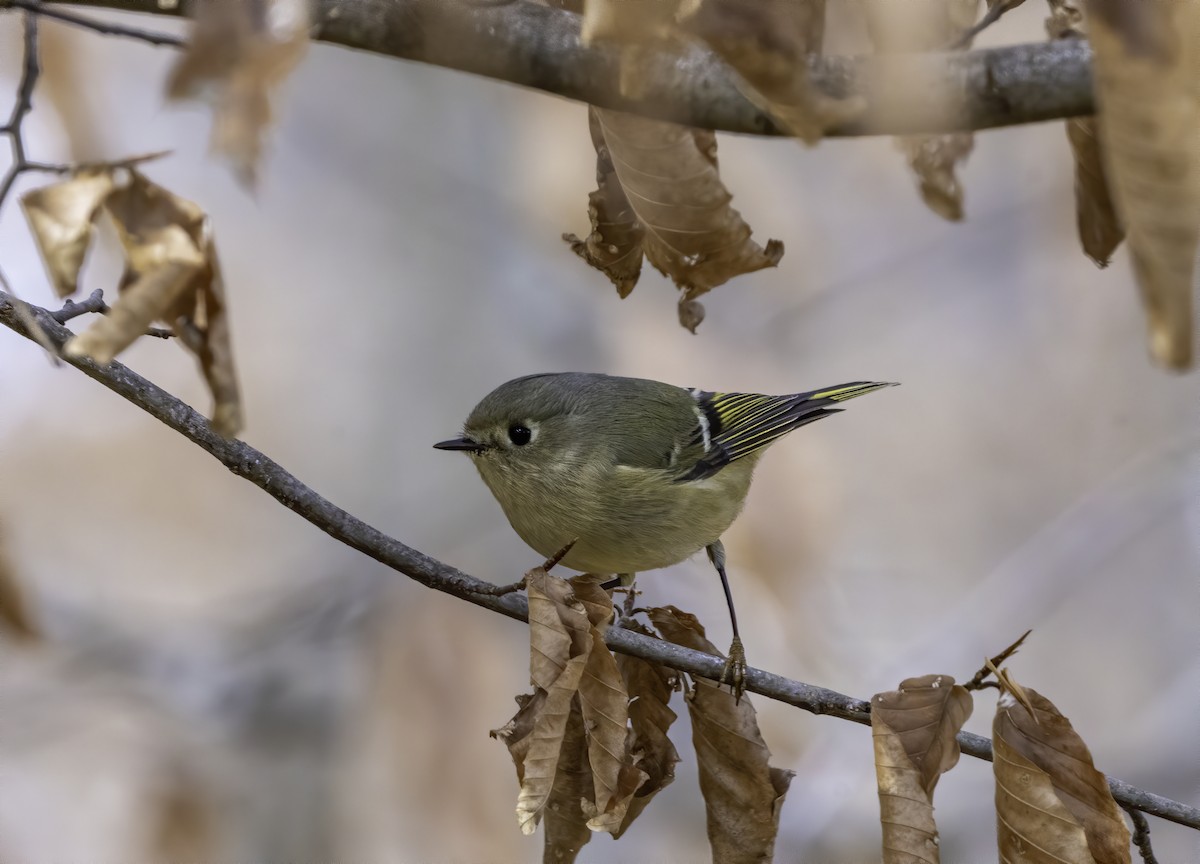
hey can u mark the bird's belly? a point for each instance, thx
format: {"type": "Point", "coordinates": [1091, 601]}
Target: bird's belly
{"type": "Point", "coordinates": [644, 530]}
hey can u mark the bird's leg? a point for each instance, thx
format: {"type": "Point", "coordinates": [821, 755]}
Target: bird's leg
{"type": "Point", "coordinates": [734, 673]}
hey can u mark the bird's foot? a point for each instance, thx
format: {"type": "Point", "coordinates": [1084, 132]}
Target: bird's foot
{"type": "Point", "coordinates": [734, 673]}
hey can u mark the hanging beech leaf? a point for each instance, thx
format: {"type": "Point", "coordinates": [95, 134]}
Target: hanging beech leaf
{"type": "Point", "coordinates": [1032, 825]}
{"type": "Point", "coordinates": [566, 824]}
{"type": "Point", "coordinates": [238, 52]}
{"type": "Point", "coordinates": [1100, 231]}
{"type": "Point", "coordinates": [1146, 65]}
{"type": "Point", "coordinates": [566, 827]}
{"type": "Point", "coordinates": [649, 686]}
{"type": "Point", "coordinates": [560, 641]}
{"type": "Point", "coordinates": [669, 176]}
{"type": "Point", "coordinates": [615, 245]}
{"type": "Point", "coordinates": [766, 43]}
{"type": "Point", "coordinates": [743, 794]}
{"type": "Point", "coordinates": [604, 705]}
{"type": "Point", "coordinates": [15, 619]}
{"type": "Point", "coordinates": [171, 274]}
{"type": "Point", "coordinates": [913, 730]}
{"type": "Point", "coordinates": [571, 739]}
{"type": "Point", "coordinates": [926, 25]}
{"type": "Point", "coordinates": [62, 217]}
{"type": "Point", "coordinates": [1043, 771]}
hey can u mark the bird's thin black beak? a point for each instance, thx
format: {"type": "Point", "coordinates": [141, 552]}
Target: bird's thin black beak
{"type": "Point", "coordinates": [461, 443]}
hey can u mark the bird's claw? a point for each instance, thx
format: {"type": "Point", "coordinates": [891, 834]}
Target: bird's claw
{"type": "Point", "coordinates": [734, 673]}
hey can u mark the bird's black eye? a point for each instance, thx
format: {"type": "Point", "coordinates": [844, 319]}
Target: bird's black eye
{"type": "Point", "coordinates": [519, 435]}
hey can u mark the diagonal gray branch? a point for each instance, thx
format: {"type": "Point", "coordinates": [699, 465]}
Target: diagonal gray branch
{"type": "Point", "coordinates": [536, 46]}
{"type": "Point", "coordinates": [245, 461]}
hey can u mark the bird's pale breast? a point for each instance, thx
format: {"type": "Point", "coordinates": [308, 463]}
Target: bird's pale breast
{"type": "Point", "coordinates": [625, 519]}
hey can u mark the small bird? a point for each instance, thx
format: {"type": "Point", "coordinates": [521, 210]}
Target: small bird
{"type": "Point", "coordinates": [639, 474]}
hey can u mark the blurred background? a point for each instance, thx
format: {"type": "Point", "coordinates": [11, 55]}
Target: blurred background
{"type": "Point", "coordinates": [220, 681]}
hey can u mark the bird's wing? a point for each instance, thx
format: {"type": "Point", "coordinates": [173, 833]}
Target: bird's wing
{"type": "Point", "coordinates": [733, 425]}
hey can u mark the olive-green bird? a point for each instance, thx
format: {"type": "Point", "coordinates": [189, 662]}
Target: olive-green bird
{"type": "Point", "coordinates": [639, 474]}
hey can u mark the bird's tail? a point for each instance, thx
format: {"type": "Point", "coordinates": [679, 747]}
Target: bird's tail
{"type": "Point", "coordinates": [841, 393]}
{"type": "Point", "coordinates": [739, 424]}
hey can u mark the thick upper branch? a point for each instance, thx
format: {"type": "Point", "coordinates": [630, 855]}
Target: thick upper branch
{"type": "Point", "coordinates": [537, 46]}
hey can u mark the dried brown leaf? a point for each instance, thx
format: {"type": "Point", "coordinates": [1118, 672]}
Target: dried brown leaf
{"type": "Point", "coordinates": [1100, 231]}
{"type": "Point", "coordinates": [615, 245]}
{"type": "Point", "coordinates": [515, 733]}
{"type": "Point", "coordinates": [1147, 72]}
{"type": "Point", "coordinates": [913, 730]}
{"type": "Point", "coordinates": [638, 30]}
{"type": "Point", "coordinates": [766, 42]}
{"type": "Point", "coordinates": [575, 674]}
{"type": "Point", "coordinates": [15, 619]}
{"type": "Point", "coordinates": [934, 158]}
{"type": "Point", "coordinates": [559, 629]}
{"type": "Point", "coordinates": [604, 704]}
{"type": "Point", "coordinates": [596, 602]}
{"type": "Point", "coordinates": [567, 828]}
{"type": "Point", "coordinates": [171, 274]}
{"type": "Point", "coordinates": [743, 794]}
{"type": "Point", "coordinates": [546, 745]}
{"type": "Point", "coordinates": [1032, 825]}
{"type": "Point", "coordinates": [239, 51]}
{"type": "Point", "coordinates": [926, 714]}
{"type": "Point", "coordinates": [62, 217]}
{"type": "Point", "coordinates": [1065, 20]}
{"type": "Point", "coordinates": [669, 176]}
{"type": "Point", "coordinates": [649, 686]}
{"type": "Point", "coordinates": [926, 25]}
{"type": "Point", "coordinates": [905, 809]}
{"type": "Point", "coordinates": [1043, 741]}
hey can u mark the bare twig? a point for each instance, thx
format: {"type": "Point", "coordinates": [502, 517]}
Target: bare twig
{"type": "Point", "coordinates": [501, 590]}
{"type": "Point", "coordinates": [30, 70]}
{"type": "Point", "coordinates": [536, 46]}
{"type": "Point", "coordinates": [1141, 835]}
{"type": "Point", "coordinates": [980, 680]}
{"type": "Point", "coordinates": [94, 304]}
{"type": "Point", "coordinates": [249, 463]}
{"type": "Point", "coordinates": [103, 27]}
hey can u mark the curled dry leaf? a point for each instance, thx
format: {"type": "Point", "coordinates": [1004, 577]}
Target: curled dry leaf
{"type": "Point", "coordinates": [615, 245]}
{"type": "Point", "coordinates": [668, 174]}
{"type": "Point", "coordinates": [171, 274]}
{"type": "Point", "coordinates": [62, 217]}
{"type": "Point", "coordinates": [1049, 795]}
{"type": "Point", "coordinates": [913, 730]}
{"type": "Point", "coordinates": [1146, 66]}
{"type": "Point", "coordinates": [570, 740]}
{"type": "Point", "coordinates": [171, 271]}
{"type": "Point", "coordinates": [649, 686]}
{"type": "Point", "coordinates": [766, 42]}
{"type": "Point", "coordinates": [1100, 231]}
{"type": "Point", "coordinates": [239, 51]}
{"type": "Point", "coordinates": [604, 704]}
{"type": "Point", "coordinates": [15, 619]}
{"type": "Point", "coordinates": [926, 25]}
{"type": "Point", "coordinates": [743, 794]}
